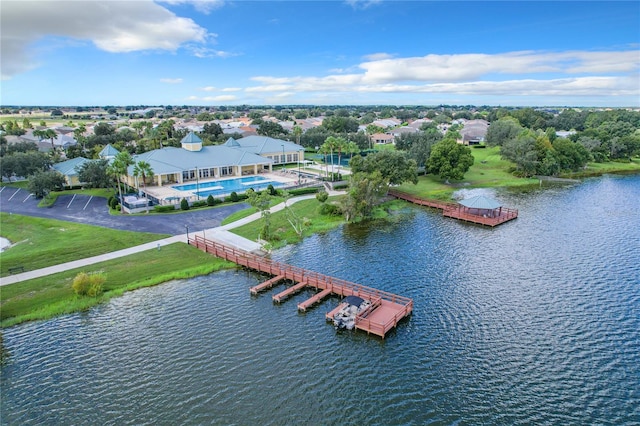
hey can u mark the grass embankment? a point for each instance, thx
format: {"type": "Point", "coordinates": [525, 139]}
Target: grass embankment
{"type": "Point", "coordinates": [488, 170]}
{"type": "Point", "coordinates": [280, 226]}
{"type": "Point", "coordinates": [39, 242]}
{"type": "Point", "coordinates": [46, 297]}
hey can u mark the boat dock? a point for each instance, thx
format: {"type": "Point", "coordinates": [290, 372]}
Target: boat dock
{"type": "Point", "coordinates": [386, 311]}
{"type": "Point", "coordinates": [457, 211]}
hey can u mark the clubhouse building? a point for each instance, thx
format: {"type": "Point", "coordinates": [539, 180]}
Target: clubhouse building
{"type": "Point", "coordinates": [195, 163]}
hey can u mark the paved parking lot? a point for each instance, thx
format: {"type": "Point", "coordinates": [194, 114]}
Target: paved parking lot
{"type": "Point", "coordinates": [94, 211]}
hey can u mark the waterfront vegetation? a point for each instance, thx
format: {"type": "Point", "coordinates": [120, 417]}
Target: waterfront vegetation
{"type": "Point", "coordinates": [53, 295]}
{"type": "Point", "coordinates": [283, 232]}
{"type": "Point", "coordinates": [38, 243]}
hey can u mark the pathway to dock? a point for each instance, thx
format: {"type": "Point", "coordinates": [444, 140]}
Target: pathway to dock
{"type": "Point", "coordinates": [457, 211]}
{"type": "Point", "coordinates": [386, 311]}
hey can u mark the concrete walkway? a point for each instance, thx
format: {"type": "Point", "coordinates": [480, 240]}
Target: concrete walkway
{"type": "Point", "coordinates": [220, 234]}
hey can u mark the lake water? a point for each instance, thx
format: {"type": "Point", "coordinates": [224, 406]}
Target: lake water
{"type": "Point", "coordinates": [534, 322]}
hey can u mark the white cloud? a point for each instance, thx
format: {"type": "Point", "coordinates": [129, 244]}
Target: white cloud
{"type": "Point", "coordinates": [113, 26]}
{"type": "Point", "coordinates": [203, 6]}
{"type": "Point", "coordinates": [206, 52]}
{"type": "Point", "coordinates": [377, 56]}
{"type": "Point", "coordinates": [231, 89]}
{"type": "Point", "coordinates": [568, 74]}
{"type": "Point", "coordinates": [171, 80]}
{"type": "Point", "coordinates": [362, 4]}
{"type": "Point", "coordinates": [208, 89]}
{"type": "Point", "coordinates": [464, 67]}
{"type": "Point", "coordinates": [223, 98]}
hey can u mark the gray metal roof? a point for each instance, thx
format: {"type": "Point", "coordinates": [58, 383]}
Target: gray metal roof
{"type": "Point", "coordinates": [480, 202]}
{"type": "Point", "coordinates": [175, 160]}
{"type": "Point", "coordinates": [68, 168]}
{"type": "Point", "coordinates": [264, 145]}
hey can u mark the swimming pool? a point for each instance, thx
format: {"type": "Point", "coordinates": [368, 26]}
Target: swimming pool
{"type": "Point", "coordinates": [227, 186]}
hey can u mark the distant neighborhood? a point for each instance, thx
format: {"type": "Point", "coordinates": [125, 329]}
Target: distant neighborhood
{"type": "Point", "coordinates": [183, 145]}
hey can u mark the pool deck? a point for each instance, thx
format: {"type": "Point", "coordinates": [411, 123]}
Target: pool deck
{"type": "Point", "coordinates": [167, 193]}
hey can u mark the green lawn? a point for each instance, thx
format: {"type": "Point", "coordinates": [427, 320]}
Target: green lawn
{"type": "Point", "coordinates": [44, 242]}
{"type": "Point", "coordinates": [488, 170]}
{"type": "Point", "coordinates": [52, 295]}
{"type": "Point", "coordinates": [283, 229]}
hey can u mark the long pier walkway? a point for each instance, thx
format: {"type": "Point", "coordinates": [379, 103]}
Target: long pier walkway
{"type": "Point", "coordinates": [460, 212]}
{"type": "Point", "coordinates": [388, 309]}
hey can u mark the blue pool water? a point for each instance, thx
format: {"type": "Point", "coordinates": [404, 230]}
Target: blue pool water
{"type": "Point", "coordinates": [223, 187]}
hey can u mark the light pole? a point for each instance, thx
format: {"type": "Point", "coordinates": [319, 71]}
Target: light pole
{"type": "Point", "coordinates": [187, 226]}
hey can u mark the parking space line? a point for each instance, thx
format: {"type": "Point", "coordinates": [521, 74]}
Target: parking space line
{"type": "Point", "coordinates": [85, 206]}
{"type": "Point", "coordinates": [72, 198]}
{"type": "Point", "coordinates": [14, 194]}
{"type": "Point", "coordinates": [2, 189]}
{"type": "Point", "coordinates": [28, 196]}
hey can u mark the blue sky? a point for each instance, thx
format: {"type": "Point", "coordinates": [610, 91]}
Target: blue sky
{"type": "Point", "coordinates": [176, 52]}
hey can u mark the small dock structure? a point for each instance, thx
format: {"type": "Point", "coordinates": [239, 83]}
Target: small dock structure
{"type": "Point", "coordinates": [386, 311]}
{"type": "Point", "coordinates": [478, 210]}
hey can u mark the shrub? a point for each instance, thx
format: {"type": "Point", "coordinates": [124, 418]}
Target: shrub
{"type": "Point", "coordinates": [110, 200]}
{"type": "Point", "coordinates": [164, 209]}
{"type": "Point", "coordinates": [114, 203]}
{"type": "Point", "coordinates": [328, 209]}
{"type": "Point", "coordinates": [322, 196]}
{"type": "Point", "coordinates": [303, 191]}
{"type": "Point", "coordinates": [200, 203]}
{"type": "Point", "coordinates": [88, 284]}
{"type": "Point", "coordinates": [272, 190]}
{"type": "Point", "coordinates": [234, 196]}
{"type": "Point", "coordinates": [211, 201]}
{"type": "Point", "coordinates": [184, 204]}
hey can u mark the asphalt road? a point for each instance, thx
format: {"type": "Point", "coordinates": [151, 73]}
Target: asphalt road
{"type": "Point", "coordinates": [94, 211]}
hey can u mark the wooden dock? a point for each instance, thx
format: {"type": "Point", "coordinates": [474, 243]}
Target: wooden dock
{"type": "Point", "coordinates": [458, 211]}
{"type": "Point", "coordinates": [386, 311]}
{"type": "Point", "coordinates": [266, 285]}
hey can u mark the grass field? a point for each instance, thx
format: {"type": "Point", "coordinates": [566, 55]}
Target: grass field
{"type": "Point", "coordinates": [46, 297]}
{"type": "Point", "coordinates": [39, 243]}
{"type": "Point", "coordinates": [283, 229]}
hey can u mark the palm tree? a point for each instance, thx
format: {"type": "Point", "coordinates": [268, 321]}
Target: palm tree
{"type": "Point", "coordinates": [143, 169]}
{"type": "Point", "coordinates": [46, 134]}
{"type": "Point", "coordinates": [341, 145]}
{"type": "Point", "coordinates": [118, 168]}
{"type": "Point", "coordinates": [352, 148]}
{"type": "Point", "coordinates": [332, 144]}
{"type": "Point", "coordinates": [297, 132]}
{"type": "Point", "coordinates": [78, 133]}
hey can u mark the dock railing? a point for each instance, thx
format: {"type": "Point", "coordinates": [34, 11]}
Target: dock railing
{"type": "Point", "coordinates": [294, 273]}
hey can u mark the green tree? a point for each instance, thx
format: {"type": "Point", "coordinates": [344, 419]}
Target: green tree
{"type": "Point", "coordinates": [450, 160]}
{"type": "Point", "coordinates": [43, 182]}
{"type": "Point", "coordinates": [143, 169]}
{"type": "Point", "coordinates": [297, 132]}
{"type": "Point", "coordinates": [523, 151]}
{"type": "Point", "coordinates": [262, 201]}
{"type": "Point", "coordinates": [394, 166]}
{"type": "Point", "coordinates": [502, 130]}
{"type": "Point", "coordinates": [271, 129]}
{"type": "Point", "coordinates": [78, 134]}
{"type": "Point", "coordinates": [94, 173]}
{"type": "Point", "coordinates": [117, 169]}
{"type": "Point", "coordinates": [364, 193]}
{"type": "Point", "coordinates": [46, 134]}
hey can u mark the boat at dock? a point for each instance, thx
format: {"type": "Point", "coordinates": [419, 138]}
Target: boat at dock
{"type": "Point", "coordinates": [351, 307]}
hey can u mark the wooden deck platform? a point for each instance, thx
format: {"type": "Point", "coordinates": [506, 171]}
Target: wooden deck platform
{"type": "Point", "coordinates": [266, 285]}
{"type": "Point", "coordinates": [458, 211]}
{"type": "Point", "coordinates": [387, 308]}
{"type": "Point", "coordinates": [313, 300]}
